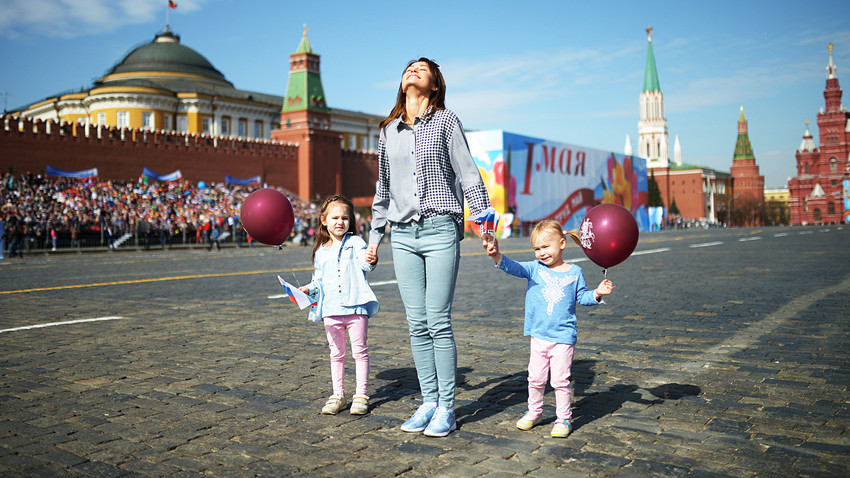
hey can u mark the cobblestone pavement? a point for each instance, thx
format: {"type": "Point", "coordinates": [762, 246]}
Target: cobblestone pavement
{"type": "Point", "coordinates": [720, 353]}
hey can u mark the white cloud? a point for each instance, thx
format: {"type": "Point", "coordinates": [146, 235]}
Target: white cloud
{"type": "Point", "coordinates": [75, 18]}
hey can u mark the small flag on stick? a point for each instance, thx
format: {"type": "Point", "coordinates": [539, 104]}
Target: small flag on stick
{"type": "Point", "coordinates": [487, 220]}
{"type": "Point", "coordinates": [295, 295]}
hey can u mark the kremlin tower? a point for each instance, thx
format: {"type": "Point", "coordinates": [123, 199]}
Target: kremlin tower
{"type": "Point", "coordinates": [819, 191]}
{"type": "Point", "coordinates": [748, 185]}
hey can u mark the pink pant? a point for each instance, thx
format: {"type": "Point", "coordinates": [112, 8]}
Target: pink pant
{"type": "Point", "coordinates": [357, 325]}
{"type": "Point", "coordinates": [545, 357]}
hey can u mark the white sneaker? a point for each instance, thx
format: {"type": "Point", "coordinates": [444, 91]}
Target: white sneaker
{"type": "Point", "coordinates": [334, 405]}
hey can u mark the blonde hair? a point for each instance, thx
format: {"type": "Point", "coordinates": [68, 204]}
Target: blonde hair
{"type": "Point", "coordinates": [547, 226]}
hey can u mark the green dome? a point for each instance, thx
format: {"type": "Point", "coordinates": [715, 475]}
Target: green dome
{"type": "Point", "coordinates": [165, 54]}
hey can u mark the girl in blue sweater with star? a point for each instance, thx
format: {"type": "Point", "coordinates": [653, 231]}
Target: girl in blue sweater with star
{"type": "Point", "coordinates": [554, 289]}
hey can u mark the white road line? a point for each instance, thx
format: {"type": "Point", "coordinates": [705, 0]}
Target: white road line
{"type": "Point", "coordinates": [386, 282]}
{"type": "Point", "coordinates": [806, 232]}
{"type": "Point", "coordinates": [279, 296]}
{"type": "Point", "coordinates": [745, 239]}
{"type": "Point", "coordinates": [780, 234]}
{"type": "Point", "coordinates": [53, 324]}
{"type": "Point", "coordinates": [651, 251]}
{"type": "Point", "coordinates": [706, 244]}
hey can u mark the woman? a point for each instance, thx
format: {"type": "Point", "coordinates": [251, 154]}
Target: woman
{"type": "Point", "coordinates": [425, 170]}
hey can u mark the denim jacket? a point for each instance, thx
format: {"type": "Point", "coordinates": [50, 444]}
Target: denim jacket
{"type": "Point", "coordinates": [351, 266]}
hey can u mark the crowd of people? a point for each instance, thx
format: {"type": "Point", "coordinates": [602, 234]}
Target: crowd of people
{"type": "Point", "coordinates": [40, 212]}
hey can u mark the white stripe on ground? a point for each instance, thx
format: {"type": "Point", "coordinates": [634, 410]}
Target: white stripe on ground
{"type": "Point", "coordinates": [706, 244]}
{"type": "Point", "coordinates": [747, 337]}
{"type": "Point", "coordinates": [54, 324]}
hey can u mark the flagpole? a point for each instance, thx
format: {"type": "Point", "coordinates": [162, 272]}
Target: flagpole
{"type": "Point", "coordinates": [166, 16]}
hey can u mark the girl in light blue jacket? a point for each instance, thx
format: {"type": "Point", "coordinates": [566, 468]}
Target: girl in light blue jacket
{"type": "Point", "coordinates": [344, 300]}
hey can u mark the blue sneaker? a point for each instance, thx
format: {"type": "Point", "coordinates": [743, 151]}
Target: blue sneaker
{"type": "Point", "coordinates": [442, 424]}
{"type": "Point", "coordinates": [420, 419]}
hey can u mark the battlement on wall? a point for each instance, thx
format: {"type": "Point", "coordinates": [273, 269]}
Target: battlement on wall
{"type": "Point", "coordinates": [51, 131]}
{"type": "Point", "coordinates": [354, 155]}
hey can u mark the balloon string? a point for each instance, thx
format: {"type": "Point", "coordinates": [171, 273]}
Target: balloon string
{"type": "Point", "coordinates": [280, 248]}
{"type": "Point", "coordinates": [604, 273]}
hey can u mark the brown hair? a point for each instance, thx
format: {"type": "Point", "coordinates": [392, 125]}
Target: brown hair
{"type": "Point", "coordinates": [322, 233]}
{"type": "Point", "coordinates": [437, 100]}
{"type": "Point", "coordinates": [547, 226]}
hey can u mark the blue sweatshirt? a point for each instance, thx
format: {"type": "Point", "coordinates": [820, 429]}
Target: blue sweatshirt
{"type": "Point", "coordinates": [550, 300]}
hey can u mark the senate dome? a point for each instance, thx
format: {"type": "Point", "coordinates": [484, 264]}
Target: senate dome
{"type": "Point", "coordinates": [163, 58]}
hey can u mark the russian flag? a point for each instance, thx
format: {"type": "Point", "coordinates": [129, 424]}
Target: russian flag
{"type": "Point", "coordinates": [295, 295]}
{"type": "Point", "coordinates": [487, 219]}
{"type": "Point", "coordinates": [172, 4]}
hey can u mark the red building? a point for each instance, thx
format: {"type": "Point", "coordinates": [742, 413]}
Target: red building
{"type": "Point", "coordinates": [816, 192]}
{"type": "Point", "coordinates": [747, 183]}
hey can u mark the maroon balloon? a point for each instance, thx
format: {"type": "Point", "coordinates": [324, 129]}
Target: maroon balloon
{"type": "Point", "coordinates": [608, 234]}
{"type": "Point", "coordinates": [267, 216]}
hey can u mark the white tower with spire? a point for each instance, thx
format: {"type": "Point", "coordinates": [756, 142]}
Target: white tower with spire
{"type": "Point", "coordinates": [627, 150]}
{"type": "Point", "coordinates": [653, 141]}
{"type": "Point", "coordinates": [677, 152]}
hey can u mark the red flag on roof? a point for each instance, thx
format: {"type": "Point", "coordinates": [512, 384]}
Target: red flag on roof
{"type": "Point", "coordinates": [172, 4]}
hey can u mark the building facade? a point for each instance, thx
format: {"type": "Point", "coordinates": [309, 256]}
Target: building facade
{"type": "Point", "coordinates": [165, 107]}
{"type": "Point", "coordinates": [817, 192]}
{"type": "Point", "coordinates": [698, 193]}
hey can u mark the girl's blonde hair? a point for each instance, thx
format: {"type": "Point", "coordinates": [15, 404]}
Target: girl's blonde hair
{"type": "Point", "coordinates": [548, 226]}
{"type": "Point", "coordinates": [322, 233]}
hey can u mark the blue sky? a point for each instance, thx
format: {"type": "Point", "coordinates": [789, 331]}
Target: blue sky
{"type": "Point", "coordinates": [564, 71]}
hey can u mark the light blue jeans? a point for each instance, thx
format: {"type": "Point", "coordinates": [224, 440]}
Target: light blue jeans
{"type": "Point", "coordinates": [426, 255]}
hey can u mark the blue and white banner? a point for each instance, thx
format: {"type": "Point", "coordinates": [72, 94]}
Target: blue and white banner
{"type": "Point", "coordinates": [242, 182]}
{"type": "Point", "coordinates": [86, 173]}
{"type": "Point", "coordinates": [162, 177]}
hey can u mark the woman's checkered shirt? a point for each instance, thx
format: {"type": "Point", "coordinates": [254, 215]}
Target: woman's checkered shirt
{"type": "Point", "coordinates": [425, 171]}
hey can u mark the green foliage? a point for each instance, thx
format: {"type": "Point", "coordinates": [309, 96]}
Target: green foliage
{"type": "Point", "coordinates": [673, 208]}
{"type": "Point", "coordinates": [654, 192]}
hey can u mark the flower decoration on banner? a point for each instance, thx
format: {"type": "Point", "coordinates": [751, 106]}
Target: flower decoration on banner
{"type": "Point", "coordinates": [621, 187]}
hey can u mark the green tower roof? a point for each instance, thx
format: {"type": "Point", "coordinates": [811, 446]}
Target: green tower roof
{"type": "Point", "coordinates": [743, 148]}
{"type": "Point", "coordinates": [304, 46]}
{"type": "Point", "coordinates": [304, 91]}
{"type": "Point", "coordinates": [650, 79]}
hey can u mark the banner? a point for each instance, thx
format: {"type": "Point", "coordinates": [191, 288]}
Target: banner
{"type": "Point", "coordinates": [86, 173]}
{"type": "Point", "coordinates": [242, 182]}
{"type": "Point", "coordinates": [537, 179]}
{"type": "Point", "coordinates": [847, 200]}
{"type": "Point", "coordinates": [162, 177]}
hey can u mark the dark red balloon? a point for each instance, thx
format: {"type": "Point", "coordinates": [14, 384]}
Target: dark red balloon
{"type": "Point", "coordinates": [608, 234]}
{"type": "Point", "coordinates": [267, 216]}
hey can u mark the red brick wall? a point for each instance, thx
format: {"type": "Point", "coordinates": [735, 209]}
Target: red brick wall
{"type": "Point", "coordinates": [122, 154]}
{"type": "Point", "coordinates": [27, 145]}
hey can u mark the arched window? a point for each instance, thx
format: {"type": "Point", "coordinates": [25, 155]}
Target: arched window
{"type": "Point", "coordinates": [830, 208]}
{"type": "Point", "coordinates": [833, 164]}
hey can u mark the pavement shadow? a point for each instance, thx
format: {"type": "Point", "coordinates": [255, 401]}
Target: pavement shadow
{"type": "Point", "coordinates": [402, 382]}
{"type": "Point", "coordinates": [501, 392]}
{"type": "Point", "coordinates": [597, 405]}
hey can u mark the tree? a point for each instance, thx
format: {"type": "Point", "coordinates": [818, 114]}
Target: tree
{"type": "Point", "coordinates": [654, 192]}
{"type": "Point", "coordinates": [673, 208]}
